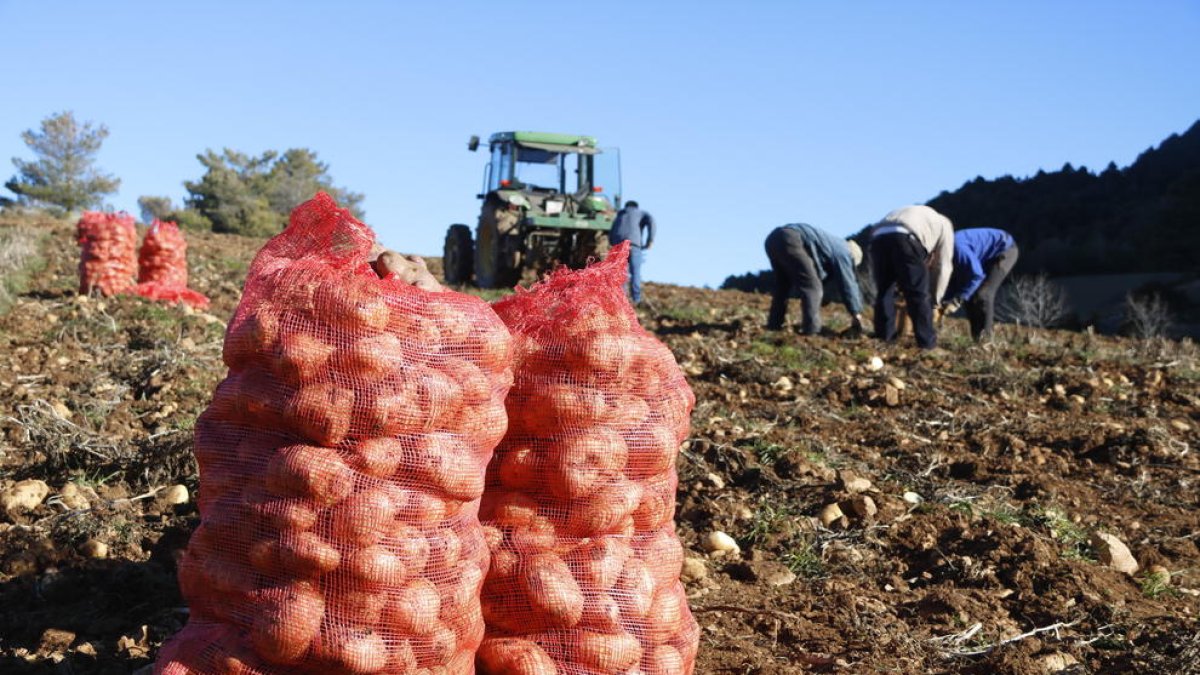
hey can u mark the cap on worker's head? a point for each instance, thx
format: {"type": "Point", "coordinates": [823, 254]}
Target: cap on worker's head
{"type": "Point", "coordinates": [855, 251]}
{"type": "Point", "coordinates": [631, 204]}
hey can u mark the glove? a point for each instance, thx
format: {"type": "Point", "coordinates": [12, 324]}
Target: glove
{"type": "Point", "coordinates": [951, 306]}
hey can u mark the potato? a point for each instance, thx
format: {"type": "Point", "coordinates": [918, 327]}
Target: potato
{"type": "Point", "coordinates": [582, 462]}
{"type": "Point", "coordinates": [363, 518]}
{"type": "Point", "coordinates": [322, 411]}
{"type": "Point", "coordinates": [359, 310]}
{"type": "Point", "coordinates": [379, 457]}
{"type": "Point", "coordinates": [306, 554]}
{"type": "Point", "coordinates": [414, 609]}
{"type": "Point", "coordinates": [492, 346]}
{"type": "Point", "coordinates": [663, 660]}
{"type": "Point", "coordinates": [376, 566]}
{"type": "Point", "coordinates": [389, 410]}
{"type": "Point", "coordinates": [664, 553]}
{"type": "Point", "coordinates": [454, 324]}
{"type": "Point", "coordinates": [666, 615]}
{"type": "Point", "coordinates": [411, 547]}
{"type": "Point", "coordinates": [310, 471]}
{"type": "Point", "coordinates": [653, 449]}
{"type": "Point", "coordinates": [426, 508]}
{"type": "Point", "coordinates": [600, 613]}
{"type": "Point", "coordinates": [508, 508]}
{"type": "Point", "coordinates": [250, 396]}
{"type": "Point", "coordinates": [467, 623]}
{"type": "Point", "coordinates": [606, 653]}
{"type": "Point", "coordinates": [294, 515]}
{"type": "Point", "coordinates": [484, 423]}
{"type": "Point", "coordinates": [601, 354]}
{"type": "Point", "coordinates": [536, 536]}
{"type": "Point", "coordinates": [551, 590]}
{"type": "Point", "coordinates": [634, 590]}
{"type": "Point", "coordinates": [435, 648]}
{"type": "Point", "coordinates": [352, 650]}
{"type": "Point", "coordinates": [347, 605]}
{"type": "Point", "coordinates": [599, 561]}
{"type": "Point", "coordinates": [300, 357]}
{"type": "Point", "coordinates": [463, 592]}
{"type": "Point", "coordinates": [287, 620]}
{"type": "Point", "coordinates": [519, 467]}
{"type": "Point", "coordinates": [401, 658]}
{"type": "Point", "coordinates": [441, 397]}
{"type": "Point", "coordinates": [673, 408]}
{"type": "Point", "coordinates": [609, 510]}
{"type": "Point", "coordinates": [373, 357]}
{"type": "Point", "coordinates": [445, 548]}
{"type": "Point", "coordinates": [503, 565]}
{"type": "Point", "coordinates": [628, 413]}
{"type": "Point", "coordinates": [250, 335]}
{"type": "Point", "coordinates": [419, 331]}
{"type": "Point", "coordinates": [446, 462]}
{"type": "Point", "coordinates": [656, 508]}
{"type": "Point", "coordinates": [475, 387]}
{"type": "Point", "coordinates": [513, 656]}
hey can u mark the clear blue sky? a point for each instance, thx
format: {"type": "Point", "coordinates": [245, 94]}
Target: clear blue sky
{"type": "Point", "coordinates": [732, 118]}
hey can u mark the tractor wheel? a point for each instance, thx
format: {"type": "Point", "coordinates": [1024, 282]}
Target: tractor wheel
{"type": "Point", "coordinates": [458, 255]}
{"type": "Point", "coordinates": [496, 263]}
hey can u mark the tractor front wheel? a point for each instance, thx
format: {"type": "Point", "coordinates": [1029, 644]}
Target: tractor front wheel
{"type": "Point", "coordinates": [458, 255]}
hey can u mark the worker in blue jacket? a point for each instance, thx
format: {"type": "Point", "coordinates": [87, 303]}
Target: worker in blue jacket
{"type": "Point", "coordinates": [802, 257]}
{"type": "Point", "coordinates": [636, 226]}
{"type": "Point", "coordinates": [983, 257]}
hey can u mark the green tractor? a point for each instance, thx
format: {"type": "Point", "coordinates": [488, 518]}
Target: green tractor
{"type": "Point", "coordinates": [548, 199]}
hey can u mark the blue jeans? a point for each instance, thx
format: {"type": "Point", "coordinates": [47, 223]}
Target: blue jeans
{"type": "Point", "coordinates": [635, 274]}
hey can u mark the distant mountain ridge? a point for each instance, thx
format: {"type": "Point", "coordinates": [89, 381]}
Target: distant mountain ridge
{"type": "Point", "coordinates": [1141, 218]}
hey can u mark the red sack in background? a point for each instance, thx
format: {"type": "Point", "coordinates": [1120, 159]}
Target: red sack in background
{"type": "Point", "coordinates": [341, 465]}
{"type": "Point", "coordinates": [580, 499]}
{"type": "Point", "coordinates": [108, 259]}
{"type": "Point", "coordinates": [162, 267]}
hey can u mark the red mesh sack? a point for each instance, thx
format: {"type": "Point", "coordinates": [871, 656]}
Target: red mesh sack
{"type": "Point", "coordinates": [580, 499]}
{"type": "Point", "coordinates": [108, 256]}
{"type": "Point", "coordinates": [162, 267]}
{"type": "Point", "coordinates": [341, 464]}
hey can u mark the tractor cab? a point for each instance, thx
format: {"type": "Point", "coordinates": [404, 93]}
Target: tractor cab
{"type": "Point", "coordinates": [547, 199]}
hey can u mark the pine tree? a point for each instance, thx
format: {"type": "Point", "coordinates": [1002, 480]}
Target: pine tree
{"type": "Point", "coordinates": [64, 176]}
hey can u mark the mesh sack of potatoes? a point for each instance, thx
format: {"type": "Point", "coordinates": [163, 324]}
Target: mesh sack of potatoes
{"type": "Point", "coordinates": [162, 267]}
{"type": "Point", "coordinates": [342, 462]}
{"type": "Point", "coordinates": [108, 252]}
{"type": "Point", "coordinates": [580, 497]}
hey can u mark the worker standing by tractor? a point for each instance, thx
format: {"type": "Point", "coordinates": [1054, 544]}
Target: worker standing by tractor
{"type": "Point", "coordinates": [802, 257]}
{"type": "Point", "coordinates": [913, 248]}
{"type": "Point", "coordinates": [637, 227]}
{"type": "Point", "coordinates": [983, 257]}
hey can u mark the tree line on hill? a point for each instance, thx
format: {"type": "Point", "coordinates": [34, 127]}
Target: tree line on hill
{"type": "Point", "coordinates": [237, 193]}
{"type": "Point", "coordinates": [1137, 219]}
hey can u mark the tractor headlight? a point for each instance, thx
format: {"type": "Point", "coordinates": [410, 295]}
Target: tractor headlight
{"type": "Point", "coordinates": [553, 208]}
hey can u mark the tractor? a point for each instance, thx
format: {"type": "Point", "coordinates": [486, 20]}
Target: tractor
{"type": "Point", "coordinates": [548, 199]}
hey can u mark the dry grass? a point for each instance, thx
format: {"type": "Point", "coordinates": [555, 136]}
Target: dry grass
{"type": "Point", "coordinates": [20, 255]}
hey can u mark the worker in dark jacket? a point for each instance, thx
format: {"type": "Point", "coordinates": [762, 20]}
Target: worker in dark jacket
{"type": "Point", "coordinates": [983, 257]}
{"type": "Point", "coordinates": [802, 257]}
{"type": "Point", "coordinates": [912, 249]}
{"type": "Point", "coordinates": [635, 226]}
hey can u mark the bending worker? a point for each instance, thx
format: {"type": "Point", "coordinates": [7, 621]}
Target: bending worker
{"type": "Point", "coordinates": [913, 248]}
{"type": "Point", "coordinates": [983, 257]}
{"type": "Point", "coordinates": [636, 226]}
{"type": "Point", "coordinates": [803, 256]}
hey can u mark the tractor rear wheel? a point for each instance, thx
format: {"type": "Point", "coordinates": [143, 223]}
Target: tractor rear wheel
{"type": "Point", "coordinates": [458, 255]}
{"type": "Point", "coordinates": [496, 253]}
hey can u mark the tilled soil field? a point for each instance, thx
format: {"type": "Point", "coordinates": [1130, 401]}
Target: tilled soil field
{"type": "Point", "coordinates": [960, 512]}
